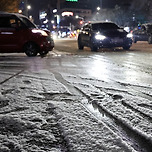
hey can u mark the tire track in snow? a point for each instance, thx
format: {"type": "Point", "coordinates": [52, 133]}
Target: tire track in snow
{"type": "Point", "coordinates": [132, 137]}
{"type": "Point", "coordinates": [124, 131]}
{"type": "Point", "coordinates": [128, 105]}
{"type": "Point", "coordinates": [132, 90]}
{"type": "Point", "coordinates": [14, 75]}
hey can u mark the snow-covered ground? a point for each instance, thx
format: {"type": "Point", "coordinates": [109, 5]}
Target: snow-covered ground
{"type": "Point", "coordinates": [55, 104]}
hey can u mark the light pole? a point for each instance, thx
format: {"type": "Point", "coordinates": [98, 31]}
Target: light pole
{"type": "Point", "coordinates": [97, 14]}
{"type": "Point", "coordinates": [101, 4]}
{"type": "Point", "coordinates": [81, 20]}
{"type": "Point", "coordinates": [58, 13]}
{"type": "Point", "coordinates": [78, 17]}
{"type": "Point", "coordinates": [25, 7]}
{"type": "Point", "coordinates": [28, 8]}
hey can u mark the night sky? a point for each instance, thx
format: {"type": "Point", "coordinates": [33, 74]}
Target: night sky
{"type": "Point", "coordinates": [94, 3]}
{"type": "Point", "coordinates": [110, 3]}
{"type": "Point", "coordinates": [42, 4]}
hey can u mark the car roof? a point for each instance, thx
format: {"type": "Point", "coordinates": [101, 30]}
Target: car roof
{"type": "Point", "coordinates": [98, 22]}
{"type": "Point", "coordinates": [10, 14]}
{"type": "Point", "coordinates": [147, 24]}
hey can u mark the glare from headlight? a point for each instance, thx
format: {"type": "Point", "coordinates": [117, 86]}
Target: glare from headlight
{"type": "Point", "coordinates": [54, 36]}
{"type": "Point", "coordinates": [43, 33]}
{"type": "Point", "coordinates": [129, 35]}
{"type": "Point", "coordinates": [100, 37]}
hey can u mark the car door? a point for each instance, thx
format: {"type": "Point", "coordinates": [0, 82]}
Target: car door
{"type": "Point", "coordinates": [143, 33]}
{"type": "Point", "coordinates": [9, 35]}
{"type": "Point", "coordinates": [86, 34]}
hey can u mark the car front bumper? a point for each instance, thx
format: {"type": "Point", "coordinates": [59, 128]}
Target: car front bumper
{"type": "Point", "coordinates": [47, 44]}
{"type": "Point", "coordinates": [112, 42]}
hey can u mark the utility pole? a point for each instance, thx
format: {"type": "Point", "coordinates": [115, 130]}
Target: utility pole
{"type": "Point", "coordinates": [101, 4]}
{"type": "Point", "coordinates": [58, 5]}
{"type": "Point", "coordinates": [58, 13]}
{"type": "Point", "coordinates": [25, 7]}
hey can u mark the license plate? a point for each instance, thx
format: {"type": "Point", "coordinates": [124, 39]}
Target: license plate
{"type": "Point", "coordinates": [117, 40]}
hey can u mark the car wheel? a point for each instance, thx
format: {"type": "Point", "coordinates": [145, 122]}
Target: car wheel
{"type": "Point", "coordinates": [126, 47]}
{"type": "Point", "coordinates": [94, 48]}
{"type": "Point", "coordinates": [80, 46]}
{"type": "Point", "coordinates": [150, 40]}
{"type": "Point", "coordinates": [31, 49]}
{"type": "Point", "coordinates": [134, 40]}
{"type": "Point", "coordinates": [43, 53]}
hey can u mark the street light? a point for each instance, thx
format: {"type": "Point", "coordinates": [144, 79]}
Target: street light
{"type": "Point", "coordinates": [97, 14]}
{"type": "Point", "coordinates": [81, 19]}
{"type": "Point", "coordinates": [20, 11]}
{"type": "Point", "coordinates": [52, 21]}
{"type": "Point", "coordinates": [28, 7]}
{"type": "Point", "coordinates": [78, 17]}
{"type": "Point", "coordinates": [98, 8]}
{"type": "Point", "coordinates": [55, 11]}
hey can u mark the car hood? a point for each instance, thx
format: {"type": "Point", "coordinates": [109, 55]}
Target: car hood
{"type": "Point", "coordinates": [113, 33]}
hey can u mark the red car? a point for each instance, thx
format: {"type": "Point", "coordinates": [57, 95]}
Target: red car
{"type": "Point", "coordinates": [19, 34]}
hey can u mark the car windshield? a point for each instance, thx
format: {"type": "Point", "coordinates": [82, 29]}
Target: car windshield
{"type": "Point", "coordinates": [149, 27]}
{"type": "Point", "coordinates": [104, 26]}
{"type": "Point", "coordinates": [28, 23]}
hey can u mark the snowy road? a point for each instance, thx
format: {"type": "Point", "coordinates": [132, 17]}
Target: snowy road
{"type": "Point", "coordinates": [77, 101]}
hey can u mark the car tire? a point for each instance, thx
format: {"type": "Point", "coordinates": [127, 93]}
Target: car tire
{"type": "Point", "coordinates": [93, 48]}
{"type": "Point", "coordinates": [31, 49]}
{"type": "Point", "coordinates": [126, 47]}
{"type": "Point", "coordinates": [150, 40]}
{"type": "Point", "coordinates": [44, 53]}
{"type": "Point", "coordinates": [134, 40]}
{"type": "Point", "coordinates": [80, 46]}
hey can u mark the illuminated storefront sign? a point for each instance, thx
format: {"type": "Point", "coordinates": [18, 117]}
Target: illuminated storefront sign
{"type": "Point", "coordinates": [67, 14]}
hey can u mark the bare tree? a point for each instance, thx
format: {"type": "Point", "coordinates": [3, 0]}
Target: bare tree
{"type": "Point", "coordinates": [9, 5]}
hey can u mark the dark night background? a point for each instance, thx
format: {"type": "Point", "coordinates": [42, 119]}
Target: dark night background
{"type": "Point", "coordinates": [91, 4]}
{"type": "Point", "coordinates": [137, 6]}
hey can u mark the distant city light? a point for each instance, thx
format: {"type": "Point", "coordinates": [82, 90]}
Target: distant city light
{"type": "Point", "coordinates": [72, 0]}
{"type": "Point", "coordinates": [55, 11]}
{"type": "Point", "coordinates": [98, 8]}
{"type": "Point", "coordinates": [20, 11]}
{"type": "Point", "coordinates": [52, 21]}
{"type": "Point", "coordinates": [43, 15]}
{"type": "Point", "coordinates": [67, 14]}
{"type": "Point", "coordinates": [46, 21]}
{"type": "Point", "coordinates": [28, 7]}
{"type": "Point", "coordinates": [81, 22]}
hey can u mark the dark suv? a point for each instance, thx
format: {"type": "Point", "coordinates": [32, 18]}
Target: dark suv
{"type": "Point", "coordinates": [19, 34]}
{"type": "Point", "coordinates": [103, 35]}
{"type": "Point", "coordinates": [143, 33]}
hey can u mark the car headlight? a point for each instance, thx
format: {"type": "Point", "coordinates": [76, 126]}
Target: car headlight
{"type": "Point", "coordinates": [100, 37]}
{"type": "Point", "coordinates": [130, 35]}
{"type": "Point", "coordinates": [43, 33]}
